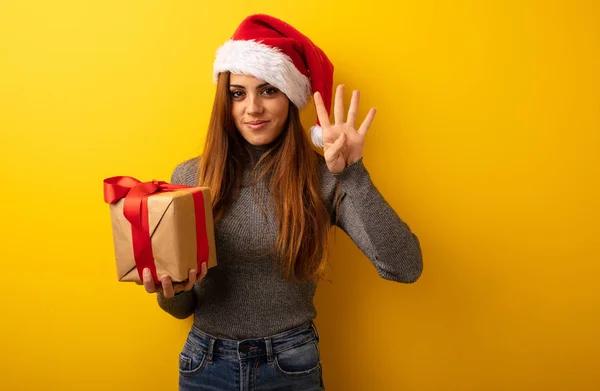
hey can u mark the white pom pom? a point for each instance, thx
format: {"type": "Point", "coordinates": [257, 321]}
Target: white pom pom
{"type": "Point", "coordinates": [316, 135]}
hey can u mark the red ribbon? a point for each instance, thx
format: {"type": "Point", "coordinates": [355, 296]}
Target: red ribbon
{"type": "Point", "coordinates": [135, 210]}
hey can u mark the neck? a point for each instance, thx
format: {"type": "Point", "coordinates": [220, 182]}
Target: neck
{"type": "Point", "coordinates": [258, 150]}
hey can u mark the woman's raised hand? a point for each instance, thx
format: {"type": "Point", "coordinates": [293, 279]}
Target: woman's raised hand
{"type": "Point", "coordinates": [342, 143]}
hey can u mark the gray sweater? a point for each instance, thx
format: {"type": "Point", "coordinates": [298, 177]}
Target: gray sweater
{"type": "Point", "coordinates": [244, 297]}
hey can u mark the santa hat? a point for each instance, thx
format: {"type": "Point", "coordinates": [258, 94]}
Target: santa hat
{"type": "Point", "coordinates": [272, 50]}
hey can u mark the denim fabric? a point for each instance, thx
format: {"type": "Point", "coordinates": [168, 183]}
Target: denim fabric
{"type": "Point", "coordinates": [286, 361]}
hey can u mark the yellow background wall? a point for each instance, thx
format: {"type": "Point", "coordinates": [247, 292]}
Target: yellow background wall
{"type": "Point", "coordinates": [486, 142]}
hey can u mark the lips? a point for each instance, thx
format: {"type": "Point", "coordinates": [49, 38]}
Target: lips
{"type": "Point", "coordinates": [257, 125]}
{"type": "Point", "coordinates": [256, 122]}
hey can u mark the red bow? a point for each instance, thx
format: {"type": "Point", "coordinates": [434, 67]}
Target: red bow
{"type": "Point", "coordinates": [135, 210]}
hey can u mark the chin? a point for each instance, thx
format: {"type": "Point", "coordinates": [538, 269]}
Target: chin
{"type": "Point", "coordinates": [261, 140]}
{"type": "Point", "coordinates": [260, 137]}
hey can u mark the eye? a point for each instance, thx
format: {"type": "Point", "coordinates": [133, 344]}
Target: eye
{"type": "Point", "coordinates": [235, 94]}
{"type": "Point", "coordinates": [270, 91]}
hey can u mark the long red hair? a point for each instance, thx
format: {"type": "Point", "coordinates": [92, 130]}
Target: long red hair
{"type": "Point", "coordinates": [290, 168]}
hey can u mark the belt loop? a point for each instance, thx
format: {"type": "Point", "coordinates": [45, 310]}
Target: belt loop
{"type": "Point", "coordinates": [269, 344]}
{"type": "Point", "coordinates": [211, 347]}
{"type": "Point", "coordinates": [314, 327]}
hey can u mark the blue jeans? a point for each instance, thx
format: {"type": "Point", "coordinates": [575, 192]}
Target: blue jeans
{"type": "Point", "coordinates": [286, 361]}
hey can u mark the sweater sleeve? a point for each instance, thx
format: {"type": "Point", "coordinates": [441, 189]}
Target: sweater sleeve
{"type": "Point", "coordinates": [375, 227]}
{"type": "Point", "coordinates": [181, 305]}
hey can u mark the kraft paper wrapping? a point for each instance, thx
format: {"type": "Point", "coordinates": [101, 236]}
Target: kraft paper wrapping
{"type": "Point", "coordinates": [172, 222]}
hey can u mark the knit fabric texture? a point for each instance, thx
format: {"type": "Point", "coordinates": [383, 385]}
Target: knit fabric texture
{"type": "Point", "coordinates": [244, 296]}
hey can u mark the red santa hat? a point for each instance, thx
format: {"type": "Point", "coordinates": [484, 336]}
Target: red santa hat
{"type": "Point", "coordinates": [272, 50]}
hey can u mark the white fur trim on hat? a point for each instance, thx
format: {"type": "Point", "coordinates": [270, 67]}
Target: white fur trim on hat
{"type": "Point", "coordinates": [316, 135]}
{"type": "Point", "coordinates": [266, 63]}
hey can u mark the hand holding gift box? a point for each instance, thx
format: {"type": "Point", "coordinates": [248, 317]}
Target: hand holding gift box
{"type": "Point", "coordinates": [163, 227]}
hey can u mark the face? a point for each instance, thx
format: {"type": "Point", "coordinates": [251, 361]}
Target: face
{"type": "Point", "coordinates": [259, 109]}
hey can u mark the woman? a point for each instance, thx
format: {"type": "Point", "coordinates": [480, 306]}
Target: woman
{"type": "Point", "coordinates": [274, 201]}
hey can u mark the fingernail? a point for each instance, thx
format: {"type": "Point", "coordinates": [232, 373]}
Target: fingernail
{"type": "Point", "coordinates": [146, 272]}
{"type": "Point", "coordinates": [193, 271]}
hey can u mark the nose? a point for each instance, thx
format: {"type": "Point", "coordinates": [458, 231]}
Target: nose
{"type": "Point", "coordinates": [255, 106]}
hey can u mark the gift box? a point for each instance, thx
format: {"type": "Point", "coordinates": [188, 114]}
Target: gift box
{"type": "Point", "coordinates": [164, 227]}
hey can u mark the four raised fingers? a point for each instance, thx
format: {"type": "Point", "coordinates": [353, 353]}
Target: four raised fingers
{"type": "Point", "coordinates": [338, 110]}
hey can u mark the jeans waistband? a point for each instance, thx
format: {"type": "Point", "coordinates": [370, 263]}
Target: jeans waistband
{"type": "Point", "coordinates": [248, 348]}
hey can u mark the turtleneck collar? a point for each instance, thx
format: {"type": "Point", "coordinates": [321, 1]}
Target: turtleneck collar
{"type": "Point", "coordinates": [258, 150]}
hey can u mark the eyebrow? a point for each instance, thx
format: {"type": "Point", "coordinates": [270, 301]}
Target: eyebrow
{"type": "Point", "coordinates": [257, 87]}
